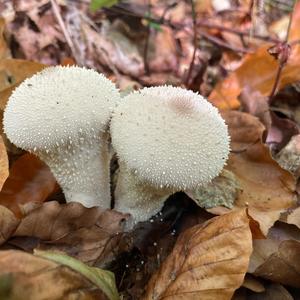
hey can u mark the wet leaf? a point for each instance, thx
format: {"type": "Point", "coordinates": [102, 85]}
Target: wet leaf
{"type": "Point", "coordinates": [26, 276]}
{"type": "Point", "coordinates": [266, 188]}
{"type": "Point", "coordinates": [209, 261]}
{"type": "Point", "coordinates": [29, 180]}
{"type": "Point", "coordinates": [3, 163]}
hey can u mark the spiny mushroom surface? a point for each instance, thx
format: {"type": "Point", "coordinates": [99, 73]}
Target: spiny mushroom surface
{"type": "Point", "coordinates": [167, 139]}
{"type": "Point", "coordinates": [61, 114]}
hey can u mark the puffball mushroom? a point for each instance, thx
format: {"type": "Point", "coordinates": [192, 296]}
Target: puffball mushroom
{"type": "Point", "coordinates": [61, 114]}
{"type": "Point", "coordinates": [167, 139]}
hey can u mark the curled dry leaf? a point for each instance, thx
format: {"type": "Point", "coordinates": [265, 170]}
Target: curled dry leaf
{"type": "Point", "coordinates": [208, 261]}
{"type": "Point", "coordinates": [258, 71]}
{"type": "Point", "coordinates": [277, 257]}
{"type": "Point", "coordinates": [90, 234]}
{"type": "Point", "coordinates": [266, 189]}
{"type": "Point", "coordinates": [3, 163]}
{"type": "Point", "coordinates": [29, 180]}
{"type": "Point", "coordinates": [52, 276]}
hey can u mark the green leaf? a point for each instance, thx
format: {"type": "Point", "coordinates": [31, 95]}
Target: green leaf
{"type": "Point", "coordinates": [104, 280]}
{"type": "Point", "coordinates": [97, 4]}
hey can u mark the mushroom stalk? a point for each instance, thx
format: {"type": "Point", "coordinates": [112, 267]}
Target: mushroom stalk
{"type": "Point", "coordinates": [83, 170]}
{"type": "Point", "coordinates": [137, 198]}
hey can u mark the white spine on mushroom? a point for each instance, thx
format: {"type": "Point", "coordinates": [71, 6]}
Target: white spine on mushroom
{"type": "Point", "coordinates": [61, 114]}
{"type": "Point", "coordinates": [167, 139]}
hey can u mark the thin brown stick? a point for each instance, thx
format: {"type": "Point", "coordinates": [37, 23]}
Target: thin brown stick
{"type": "Point", "coordinates": [281, 62]}
{"type": "Point", "coordinates": [222, 43]}
{"type": "Point", "coordinates": [195, 40]}
{"type": "Point", "coordinates": [146, 47]}
{"type": "Point", "coordinates": [66, 34]}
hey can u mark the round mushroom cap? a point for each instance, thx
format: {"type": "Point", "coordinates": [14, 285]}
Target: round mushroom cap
{"type": "Point", "coordinates": [59, 104]}
{"type": "Point", "coordinates": [170, 137]}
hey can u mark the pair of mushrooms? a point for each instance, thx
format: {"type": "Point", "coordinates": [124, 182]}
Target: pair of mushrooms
{"type": "Point", "coordinates": [167, 139]}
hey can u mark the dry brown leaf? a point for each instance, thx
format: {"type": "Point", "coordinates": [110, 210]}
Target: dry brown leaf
{"type": "Point", "coordinates": [266, 189]}
{"type": "Point", "coordinates": [4, 50]}
{"type": "Point", "coordinates": [253, 284]}
{"type": "Point", "coordinates": [209, 261]}
{"type": "Point", "coordinates": [25, 276]}
{"type": "Point", "coordinates": [273, 292]}
{"type": "Point", "coordinates": [294, 217]}
{"type": "Point", "coordinates": [89, 234]}
{"type": "Point", "coordinates": [8, 224]}
{"type": "Point", "coordinates": [3, 163]}
{"type": "Point", "coordinates": [284, 265]}
{"type": "Point", "coordinates": [277, 257]}
{"type": "Point", "coordinates": [258, 71]}
{"type": "Point", "coordinates": [29, 180]}
{"type": "Point", "coordinates": [13, 71]}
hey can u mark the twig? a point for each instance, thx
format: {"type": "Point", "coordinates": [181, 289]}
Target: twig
{"type": "Point", "coordinates": [66, 34]}
{"type": "Point", "coordinates": [145, 56]}
{"type": "Point", "coordinates": [221, 43]}
{"type": "Point", "coordinates": [236, 31]}
{"type": "Point", "coordinates": [283, 58]}
{"type": "Point", "coordinates": [188, 77]}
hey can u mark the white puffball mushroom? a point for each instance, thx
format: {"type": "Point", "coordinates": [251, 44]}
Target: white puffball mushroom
{"type": "Point", "coordinates": [62, 115]}
{"type": "Point", "coordinates": [167, 139]}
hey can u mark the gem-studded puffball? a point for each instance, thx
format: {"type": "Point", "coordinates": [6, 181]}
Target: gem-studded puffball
{"type": "Point", "coordinates": [170, 137]}
{"type": "Point", "coordinates": [62, 115]}
{"type": "Point", "coordinates": [58, 104]}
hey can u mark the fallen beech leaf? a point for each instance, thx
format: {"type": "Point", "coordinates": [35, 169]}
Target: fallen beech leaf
{"type": "Point", "coordinates": [26, 276]}
{"type": "Point", "coordinates": [8, 224]}
{"type": "Point", "coordinates": [89, 234]}
{"type": "Point", "coordinates": [3, 163]}
{"type": "Point", "coordinates": [284, 265]}
{"type": "Point", "coordinates": [208, 261]}
{"type": "Point", "coordinates": [266, 189]}
{"type": "Point", "coordinates": [277, 257]}
{"type": "Point", "coordinates": [30, 180]}
{"type": "Point", "coordinates": [258, 71]}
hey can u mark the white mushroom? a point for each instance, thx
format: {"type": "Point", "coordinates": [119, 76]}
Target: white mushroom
{"type": "Point", "coordinates": [62, 114]}
{"type": "Point", "coordinates": [167, 139]}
